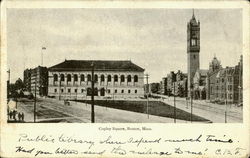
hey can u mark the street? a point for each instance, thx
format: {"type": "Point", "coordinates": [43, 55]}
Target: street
{"type": "Point", "coordinates": [210, 111]}
{"type": "Point", "coordinates": [52, 110]}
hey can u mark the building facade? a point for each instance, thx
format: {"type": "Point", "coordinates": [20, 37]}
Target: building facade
{"type": "Point", "coordinates": [71, 79]}
{"type": "Point", "coordinates": [199, 82]}
{"type": "Point", "coordinates": [179, 87]}
{"type": "Point", "coordinates": [225, 84]}
{"type": "Point", "coordinates": [164, 83]}
{"type": "Point", "coordinates": [27, 79]}
{"type": "Point", "coordinates": [36, 80]}
{"type": "Point", "coordinates": [193, 49]}
{"type": "Point", "coordinates": [171, 78]}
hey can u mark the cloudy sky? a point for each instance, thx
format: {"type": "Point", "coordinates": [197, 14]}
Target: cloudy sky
{"type": "Point", "coordinates": [155, 39]}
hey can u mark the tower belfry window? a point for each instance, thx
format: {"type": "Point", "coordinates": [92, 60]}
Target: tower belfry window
{"type": "Point", "coordinates": [193, 42]}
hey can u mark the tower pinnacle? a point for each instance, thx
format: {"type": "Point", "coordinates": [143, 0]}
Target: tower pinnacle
{"type": "Point", "coordinates": [193, 15]}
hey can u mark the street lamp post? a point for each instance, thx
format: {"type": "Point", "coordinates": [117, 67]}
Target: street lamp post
{"type": "Point", "coordinates": [147, 91]}
{"type": "Point", "coordinates": [174, 106]}
{"type": "Point", "coordinates": [43, 48]}
{"type": "Point", "coordinates": [226, 98]}
{"type": "Point", "coordinates": [191, 96]}
{"type": "Point", "coordinates": [226, 106]}
{"type": "Point", "coordinates": [92, 95]}
{"type": "Point", "coordinates": [35, 100]}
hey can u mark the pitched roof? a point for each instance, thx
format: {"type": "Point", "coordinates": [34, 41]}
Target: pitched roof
{"type": "Point", "coordinates": [203, 72]}
{"type": "Point", "coordinates": [101, 65]}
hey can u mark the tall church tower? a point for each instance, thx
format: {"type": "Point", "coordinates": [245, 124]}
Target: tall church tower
{"type": "Point", "coordinates": [193, 49]}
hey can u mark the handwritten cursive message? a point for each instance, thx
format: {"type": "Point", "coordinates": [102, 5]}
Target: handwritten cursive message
{"type": "Point", "coordinates": [111, 145]}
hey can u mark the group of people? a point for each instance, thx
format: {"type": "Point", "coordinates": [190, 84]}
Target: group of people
{"type": "Point", "coordinates": [14, 113]}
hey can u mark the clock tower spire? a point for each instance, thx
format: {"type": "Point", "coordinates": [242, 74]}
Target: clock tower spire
{"type": "Point", "coordinates": [193, 49]}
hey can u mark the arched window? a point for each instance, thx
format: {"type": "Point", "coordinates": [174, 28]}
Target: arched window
{"type": "Point", "coordinates": [89, 77]}
{"type": "Point", "coordinates": [135, 78]}
{"type": "Point", "coordinates": [109, 78]}
{"type": "Point", "coordinates": [62, 77]}
{"type": "Point", "coordinates": [55, 77]}
{"type": "Point", "coordinates": [82, 77]}
{"type": "Point", "coordinates": [129, 78]}
{"type": "Point", "coordinates": [96, 92]}
{"type": "Point", "coordinates": [75, 77]}
{"type": "Point", "coordinates": [89, 91]}
{"type": "Point", "coordinates": [115, 78]}
{"type": "Point", "coordinates": [96, 78]}
{"type": "Point", "coordinates": [122, 78]}
{"type": "Point", "coordinates": [102, 78]}
{"type": "Point", "coordinates": [69, 78]}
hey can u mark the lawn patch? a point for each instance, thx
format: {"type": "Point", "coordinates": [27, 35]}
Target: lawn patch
{"type": "Point", "coordinates": [155, 108]}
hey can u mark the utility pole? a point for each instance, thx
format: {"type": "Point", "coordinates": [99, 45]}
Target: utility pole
{"type": "Point", "coordinates": [191, 95]}
{"type": "Point", "coordinates": [59, 92]}
{"type": "Point", "coordinates": [240, 77]}
{"type": "Point", "coordinates": [8, 84]}
{"type": "Point", "coordinates": [35, 100]}
{"type": "Point", "coordinates": [92, 95]}
{"type": "Point", "coordinates": [43, 48]}
{"type": "Point", "coordinates": [226, 99]}
{"type": "Point", "coordinates": [8, 92]}
{"type": "Point", "coordinates": [174, 106]}
{"type": "Point", "coordinates": [147, 91]}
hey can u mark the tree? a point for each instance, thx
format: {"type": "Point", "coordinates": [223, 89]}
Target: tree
{"type": "Point", "coordinates": [155, 87]}
{"type": "Point", "coordinates": [19, 84]}
{"type": "Point", "coordinates": [16, 90]}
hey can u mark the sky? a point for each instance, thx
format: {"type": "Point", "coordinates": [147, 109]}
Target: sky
{"type": "Point", "coordinates": [154, 39]}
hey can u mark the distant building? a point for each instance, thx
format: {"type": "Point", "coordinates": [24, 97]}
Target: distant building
{"type": "Point", "coordinates": [37, 77]}
{"type": "Point", "coordinates": [179, 87]}
{"type": "Point", "coordinates": [71, 79]}
{"type": "Point", "coordinates": [214, 68]}
{"type": "Point", "coordinates": [171, 78]}
{"type": "Point", "coordinates": [199, 84]}
{"type": "Point", "coordinates": [164, 85]}
{"type": "Point", "coordinates": [27, 79]}
{"type": "Point", "coordinates": [225, 84]}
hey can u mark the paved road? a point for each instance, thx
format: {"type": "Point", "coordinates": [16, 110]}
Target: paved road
{"type": "Point", "coordinates": [52, 109]}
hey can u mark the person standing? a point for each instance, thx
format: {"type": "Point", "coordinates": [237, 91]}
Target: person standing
{"type": "Point", "coordinates": [14, 114]}
{"type": "Point", "coordinates": [19, 116]}
{"type": "Point", "coordinates": [22, 116]}
{"type": "Point", "coordinates": [10, 113]}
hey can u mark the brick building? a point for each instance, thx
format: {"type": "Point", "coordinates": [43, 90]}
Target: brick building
{"type": "Point", "coordinates": [224, 85]}
{"type": "Point", "coordinates": [27, 79]}
{"type": "Point", "coordinates": [37, 77]}
{"type": "Point", "coordinates": [179, 87]}
{"type": "Point", "coordinates": [164, 85]}
{"type": "Point", "coordinates": [171, 78]}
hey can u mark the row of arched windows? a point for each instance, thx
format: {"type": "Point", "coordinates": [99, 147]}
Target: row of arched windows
{"type": "Point", "coordinates": [102, 78]}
